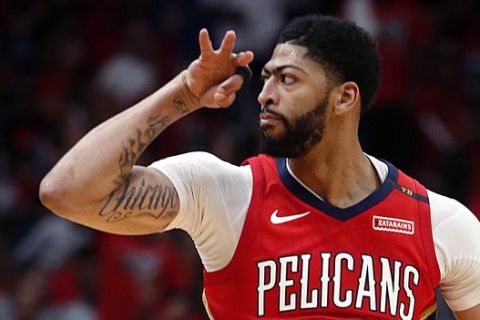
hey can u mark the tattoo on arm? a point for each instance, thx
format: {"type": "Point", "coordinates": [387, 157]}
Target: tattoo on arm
{"type": "Point", "coordinates": [133, 147]}
{"type": "Point", "coordinates": [180, 105]}
{"type": "Point", "coordinates": [156, 201]}
{"type": "Point", "coordinates": [135, 201]}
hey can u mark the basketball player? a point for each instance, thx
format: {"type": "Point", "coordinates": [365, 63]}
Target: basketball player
{"type": "Point", "coordinates": [315, 229]}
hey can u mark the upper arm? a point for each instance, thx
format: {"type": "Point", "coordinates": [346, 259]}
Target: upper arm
{"type": "Point", "coordinates": [214, 197]}
{"type": "Point", "coordinates": [456, 234]}
{"type": "Point", "coordinates": [469, 314]}
{"type": "Point", "coordinates": [145, 203]}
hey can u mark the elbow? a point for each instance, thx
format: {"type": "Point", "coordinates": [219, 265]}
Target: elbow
{"type": "Point", "coordinates": [53, 196]}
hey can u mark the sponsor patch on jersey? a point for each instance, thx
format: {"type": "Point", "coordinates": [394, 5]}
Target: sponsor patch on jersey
{"type": "Point", "coordinates": [393, 225]}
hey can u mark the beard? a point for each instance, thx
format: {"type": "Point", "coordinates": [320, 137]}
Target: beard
{"type": "Point", "coordinates": [300, 136]}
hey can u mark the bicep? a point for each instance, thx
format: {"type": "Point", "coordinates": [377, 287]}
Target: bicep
{"type": "Point", "coordinates": [145, 203]}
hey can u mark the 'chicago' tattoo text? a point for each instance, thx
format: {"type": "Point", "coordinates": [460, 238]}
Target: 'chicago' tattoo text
{"type": "Point", "coordinates": [134, 201]}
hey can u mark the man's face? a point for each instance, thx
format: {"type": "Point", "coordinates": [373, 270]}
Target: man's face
{"type": "Point", "coordinates": [293, 102]}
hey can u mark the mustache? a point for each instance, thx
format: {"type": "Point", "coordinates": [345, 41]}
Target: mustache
{"type": "Point", "coordinates": [267, 109]}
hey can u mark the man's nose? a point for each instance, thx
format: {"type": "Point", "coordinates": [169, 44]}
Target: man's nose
{"type": "Point", "coordinates": [269, 94]}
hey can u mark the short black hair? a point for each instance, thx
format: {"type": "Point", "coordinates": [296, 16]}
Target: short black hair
{"type": "Point", "coordinates": [345, 50]}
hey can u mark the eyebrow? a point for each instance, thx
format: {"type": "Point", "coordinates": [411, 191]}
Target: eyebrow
{"type": "Point", "coordinates": [279, 69]}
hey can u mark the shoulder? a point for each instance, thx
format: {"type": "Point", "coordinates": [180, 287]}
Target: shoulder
{"type": "Point", "coordinates": [198, 159]}
{"type": "Point", "coordinates": [444, 209]}
{"type": "Point", "coordinates": [194, 157]}
{"type": "Point", "coordinates": [456, 230]}
{"type": "Point", "coordinates": [202, 167]}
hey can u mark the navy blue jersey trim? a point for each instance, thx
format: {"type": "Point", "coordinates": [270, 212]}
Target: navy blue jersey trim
{"type": "Point", "coordinates": [339, 213]}
{"type": "Point", "coordinates": [409, 192]}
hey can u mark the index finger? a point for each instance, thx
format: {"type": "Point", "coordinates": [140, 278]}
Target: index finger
{"type": "Point", "coordinates": [228, 42]}
{"type": "Point", "coordinates": [205, 43]}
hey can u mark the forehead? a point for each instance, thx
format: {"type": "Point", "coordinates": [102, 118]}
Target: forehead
{"type": "Point", "coordinates": [294, 55]}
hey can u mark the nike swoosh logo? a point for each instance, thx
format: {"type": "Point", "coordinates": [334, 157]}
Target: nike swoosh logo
{"type": "Point", "coordinates": [275, 219]}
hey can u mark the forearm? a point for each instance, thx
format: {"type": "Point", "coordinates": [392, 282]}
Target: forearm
{"type": "Point", "coordinates": [103, 159]}
{"type": "Point", "coordinates": [96, 183]}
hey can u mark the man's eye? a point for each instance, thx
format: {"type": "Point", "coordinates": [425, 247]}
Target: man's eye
{"type": "Point", "coordinates": [286, 79]}
{"type": "Point", "coordinates": [264, 77]}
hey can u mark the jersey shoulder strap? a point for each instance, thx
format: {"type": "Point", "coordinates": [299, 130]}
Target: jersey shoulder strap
{"type": "Point", "coordinates": [415, 190]}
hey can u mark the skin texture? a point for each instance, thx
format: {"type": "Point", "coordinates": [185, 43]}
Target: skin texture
{"type": "Point", "coordinates": [286, 76]}
{"type": "Point", "coordinates": [98, 184]}
{"type": "Point", "coordinates": [298, 132]}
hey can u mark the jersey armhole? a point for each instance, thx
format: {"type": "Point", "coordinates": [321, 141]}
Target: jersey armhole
{"type": "Point", "coordinates": [427, 234]}
{"type": "Point", "coordinates": [249, 230]}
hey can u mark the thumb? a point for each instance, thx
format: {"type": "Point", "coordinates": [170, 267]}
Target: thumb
{"type": "Point", "coordinates": [231, 85]}
{"type": "Point", "coordinates": [225, 93]}
{"type": "Point", "coordinates": [223, 101]}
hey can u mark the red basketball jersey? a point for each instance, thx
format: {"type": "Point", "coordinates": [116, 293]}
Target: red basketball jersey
{"type": "Point", "coordinates": [300, 258]}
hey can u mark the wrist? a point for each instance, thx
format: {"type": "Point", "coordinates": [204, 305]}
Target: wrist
{"type": "Point", "coordinates": [190, 100]}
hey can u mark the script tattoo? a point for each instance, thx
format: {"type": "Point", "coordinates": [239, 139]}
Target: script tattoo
{"type": "Point", "coordinates": [133, 147]}
{"type": "Point", "coordinates": [135, 201]}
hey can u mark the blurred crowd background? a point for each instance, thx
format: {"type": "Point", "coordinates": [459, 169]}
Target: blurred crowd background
{"type": "Point", "coordinates": [67, 65]}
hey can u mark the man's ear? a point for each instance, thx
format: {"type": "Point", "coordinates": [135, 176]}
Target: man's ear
{"type": "Point", "coordinates": [347, 97]}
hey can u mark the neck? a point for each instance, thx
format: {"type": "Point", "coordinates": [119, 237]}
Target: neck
{"type": "Point", "coordinates": [337, 170]}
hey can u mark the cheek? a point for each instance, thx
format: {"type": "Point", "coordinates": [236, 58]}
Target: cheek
{"type": "Point", "coordinates": [298, 104]}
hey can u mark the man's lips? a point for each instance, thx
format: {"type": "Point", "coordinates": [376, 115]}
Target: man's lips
{"type": "Point", "coordinates": [269, 115]}
{"type": "Point", "coordinates": [268, 118]}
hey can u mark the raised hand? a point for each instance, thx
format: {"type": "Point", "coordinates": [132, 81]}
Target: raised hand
{"type": "Point", "coordinates": [211, 79]}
